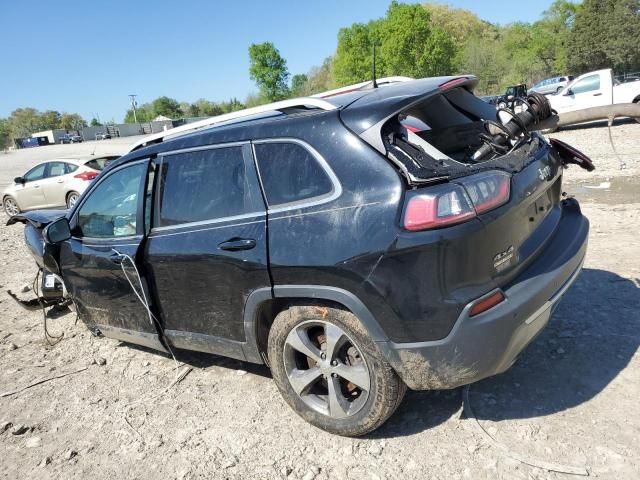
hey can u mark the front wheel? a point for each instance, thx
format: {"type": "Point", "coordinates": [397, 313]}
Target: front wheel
{"type": "Point", "coordinates": [72, 198]}
{"type": "Point", "coordinates": [330, 372]}
{"type": "Point", "coordinates": [10, 206]}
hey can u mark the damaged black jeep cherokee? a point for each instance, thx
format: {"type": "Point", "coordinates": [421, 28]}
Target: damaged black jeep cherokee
{"type": "Point", "coordinates": [358, 242]}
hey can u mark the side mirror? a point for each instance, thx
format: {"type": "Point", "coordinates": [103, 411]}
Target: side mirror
{"type": "Point", "coordinates": [19, 180]}
{"type": "Point", "coordinates": [569, 92]}
{"type": "Point", "coordinates": [58, 231]}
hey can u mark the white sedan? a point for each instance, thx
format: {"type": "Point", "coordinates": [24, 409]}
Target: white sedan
{"type": "Point", "coordinates": [56, 183]}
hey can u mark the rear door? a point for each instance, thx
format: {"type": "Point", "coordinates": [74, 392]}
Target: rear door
{"type": "Point", "coordinates": [53, 185]}
{"type": "Point", "coordinates": [108, 229]}
{"type": "Point", "coordinates": [208, 249]}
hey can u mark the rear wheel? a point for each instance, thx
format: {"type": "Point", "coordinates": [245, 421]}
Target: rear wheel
{"type": "Point", "coordinates": [330, 372]}
{"type": "Point", "coordinates": [72, 198]}
{"type": "Point", "coordinates": [10, 206]}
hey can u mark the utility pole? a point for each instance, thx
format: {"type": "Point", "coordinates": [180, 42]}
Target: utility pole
{"type": "Point", "coordinates": [133, 96]}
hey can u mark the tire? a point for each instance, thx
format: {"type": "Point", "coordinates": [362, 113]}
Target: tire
{"type": "Point", "coordinates": [336, 346]}
{"type": "Point", "coordinates": [10, 206]}
{"type": "Point", "coordinates": [72, 198]}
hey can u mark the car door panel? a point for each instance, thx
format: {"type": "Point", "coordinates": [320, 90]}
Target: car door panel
{"type": "Point", "coordinates": [213, 252]}
{"type": "Point", "coordinates": [97, 262]}
{"type": "Point", "coordinates": [53, 186]}
{"type": "Point", "coordinates": [30, 195]}
{"type": "Point", "coordinates": [200, 286]}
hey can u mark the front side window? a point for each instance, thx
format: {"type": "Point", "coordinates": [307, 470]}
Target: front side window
{"type": "Point", "coordinates": [587, 84]}
{"type": "Point", "coordinates": [206, 185]}
{"type": "Point", "coordinates": [290, 173]}
{"type": "Point", "coordinates": [36, 173]}
{"type": "Point", "coordinates": [111, 209]}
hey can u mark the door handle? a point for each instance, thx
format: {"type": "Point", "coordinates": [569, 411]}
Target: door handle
{"type": "Point", "coordinates": [237, 244]}
{"type": "Point", "coordinates": [36, 186]}
{"type": "Point", "coordinates": [597, 94]}
{"type": "Point", "coordinates": [116, 258]}
{"type": "Point", "coordinates": [60, 181]}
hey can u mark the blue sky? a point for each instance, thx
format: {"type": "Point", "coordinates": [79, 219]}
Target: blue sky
{"type": "Point", "coordinates": [87, 56]}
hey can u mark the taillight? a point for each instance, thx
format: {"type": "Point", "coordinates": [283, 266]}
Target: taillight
{"type": "Point", "coordinates": [86, 175]}
{"type": "Point", "coordinates": [452, 203]}
{"type": "Point", "coordinates": [488, 190]}
{"type": "Point", "coordinates": [443, 205]}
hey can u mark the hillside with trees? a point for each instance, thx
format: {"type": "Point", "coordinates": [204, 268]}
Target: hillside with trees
{"type": "Point", "coordinates": [416, 40]}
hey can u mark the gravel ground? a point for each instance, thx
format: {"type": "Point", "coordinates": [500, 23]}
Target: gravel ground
{"type": "Point", "coordinates": [572, 398]}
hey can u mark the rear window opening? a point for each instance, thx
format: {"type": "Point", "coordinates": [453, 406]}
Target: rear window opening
{"type": "Point", "coordinates": [439, 137]}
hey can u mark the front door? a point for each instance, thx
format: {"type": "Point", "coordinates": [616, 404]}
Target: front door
{"type": "Point", "coordinates": [30, 196]}
{"type": "Point", "coordinates": [108, 228]}
{"type": "Point", "coordinates": [207, 249]}
{"type": "Point", "coordinates": [586, 92]}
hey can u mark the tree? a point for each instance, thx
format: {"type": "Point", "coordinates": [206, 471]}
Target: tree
{"type": "Point", "coordinates": [72, 121]}
{"type": "Point", "coordinates": [5, 133]}
{"type": "Point", "coordinates": [94, 122]}
{"type": "Point", "coordinates": [50, 120]}
{"type": "Point", "coordinates": [353, 61]}
{"type": "Point", "coordinates": [605, 35]}
{"type": "Point", "coordinates": [319, 79]}
{"type": "Point", "coordinates": [269, 70]}
{"type": "Point", "coordinates": [410, 46]}
{"type": "Point", "coordinates": [167, 107]}
{"type": "Point", "coordinates": [24, 121]}
{"type": "Point", "coordinates": [144, 114]}
{"type": "Point", "coordinates": [297, 84]}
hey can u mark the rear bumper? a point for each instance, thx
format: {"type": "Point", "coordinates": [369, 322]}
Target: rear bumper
{"type": "Point", "coordinates": [490, 342]}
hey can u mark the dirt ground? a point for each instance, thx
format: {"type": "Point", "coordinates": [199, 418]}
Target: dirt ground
{"type": "Point", "coordinates": [572, 398]}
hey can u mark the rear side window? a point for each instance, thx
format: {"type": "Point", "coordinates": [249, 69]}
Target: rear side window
{"type": "Point", "coordinates": [70, 167]}
{"type": "Point", "coordinates": [290, 173]}
{"type": "Point", "coordinates": [56, 169]}
{"type": "Point", "coordinates": [206, 185]}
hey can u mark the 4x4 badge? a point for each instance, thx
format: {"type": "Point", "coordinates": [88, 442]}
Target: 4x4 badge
{"type": "Point", "coordinates": [503, 259]}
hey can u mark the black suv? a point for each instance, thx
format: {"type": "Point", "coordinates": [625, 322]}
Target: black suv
{"type": "Point", "coordinates": [357, 244]}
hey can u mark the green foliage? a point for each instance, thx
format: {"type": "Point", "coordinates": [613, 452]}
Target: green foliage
{"type": "Point", "coordinates": [72, 121]}
{"type": "Point", "coordinates": [353, 61]}
{"type": "Point", "coordinates": [269, 70]}
{"type": "Point", "coordinates": [95, 122]}
{"type": "Point", "coordinates": [167, 107]}
{"type": "Point", "coordinates": [5, 134]}
{"type": "Point", "coordinates": [297, 84]}
{"type": "Point", "coordinates": [410, 46]}
{"type": "Point", "coordinates": [605, 34]}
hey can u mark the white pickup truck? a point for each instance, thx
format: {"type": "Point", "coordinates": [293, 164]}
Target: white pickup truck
{"type": "Point", "coordinates": [594, 89]}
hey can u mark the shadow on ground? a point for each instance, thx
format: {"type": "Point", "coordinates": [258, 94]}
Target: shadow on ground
{"type": "Point", "coordinates": [590, 339]}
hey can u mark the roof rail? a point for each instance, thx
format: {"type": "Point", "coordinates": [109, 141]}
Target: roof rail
{"type": "Point", "coordinates": [303, 102]}
{"type": "Point", "coordinates": [360, 86]}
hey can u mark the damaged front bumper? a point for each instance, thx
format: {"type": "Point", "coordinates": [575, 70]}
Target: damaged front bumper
{"type": "Point", "coordinates": [489, 343]}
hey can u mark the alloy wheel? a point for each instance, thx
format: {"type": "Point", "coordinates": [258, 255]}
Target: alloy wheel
{"type": "Point", "coordinates": [72, 199]}
{"type": "Point", "coordinates": [11, 207]}
{"type": "Point", "coordinates": [326, 369]}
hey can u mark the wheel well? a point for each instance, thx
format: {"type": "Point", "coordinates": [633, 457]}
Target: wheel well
{"type": "Point", "coordinates": [269, 309]}
{"type": "Point", "coordinates": [637, 99]}
{"type": "Point", "coordinates": [69, 193]}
